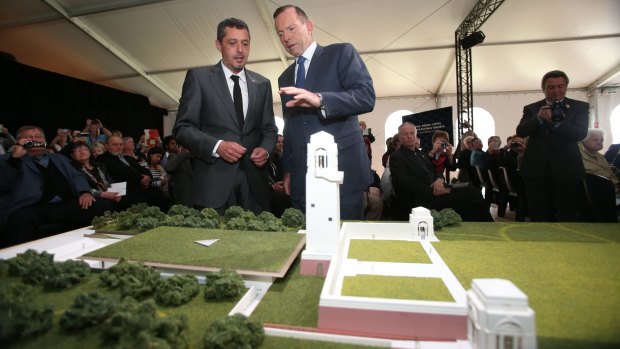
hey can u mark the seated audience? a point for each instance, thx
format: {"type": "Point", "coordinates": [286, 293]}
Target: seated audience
{"type": "Point", "coordinates": [97, 149]}
{"type": "Point", "coordinates": [96, 132]}
{"type": "Point", "coordinates": [95, 174]}
{"type": "Point", "coordinates": [464, 159]}
{"type": "Point", "coordinates": [6, 140]}
{"type": "Point", "coordinates": [180, 172]}
{"type": "Point", "coordinates": [416, 183]}
{"type": "Point", "coordinates": [512, 153]}
{"type": "Point", "coordinates": [160, 177]}
{"type": "Point", "coordinates": [62, 139]}
{"type": "Point", "coordinates": [613, 155]}
{"type": "Point", "coordinates": [390, 149]}
{"type": "Point", "coordinates": [129, 149]}
{"type": "Point", "coordinates": [279, 200]}
{"type": "Point", "coordinates": [593, 162]}
{"type": "Point", "coordinates": [40, 189]}
{"type": "Point", "coordinates": [124, 168]}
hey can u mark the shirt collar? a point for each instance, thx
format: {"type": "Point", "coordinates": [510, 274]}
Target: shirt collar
{"type": "Point", "coordinates": [309, 52]}
{"type": "Point", "coordinates": [228, 73]}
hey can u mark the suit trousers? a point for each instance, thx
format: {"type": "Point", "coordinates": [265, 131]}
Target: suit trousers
{"type": "Point", "coordinates": [550, 200]}
{"type": "Point", "coordinates": [242, 195]}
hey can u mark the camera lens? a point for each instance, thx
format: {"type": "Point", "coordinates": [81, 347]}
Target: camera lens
{"type": "Point", "coordinates": [28, 144]}
{"type": "Point", "coordinates": [444, 144]}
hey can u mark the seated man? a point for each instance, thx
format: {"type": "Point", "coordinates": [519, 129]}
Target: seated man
{"type": "Point", "coordinates": [38, 189]}
{"type": "Point", "coordinates": [593, 161]}
{"type": "Point", "coordinates": [417, 184]}
{"type": "Point", "coordinates": [123, 168]}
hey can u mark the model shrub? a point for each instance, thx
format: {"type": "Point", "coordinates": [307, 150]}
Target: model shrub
{"type": "Point", "coordinates": [223, 284]}
{"type": "Point", "coordinates": [137, 325]}
{"type": "Point", "coordinates": [232, 212]}
{"type": "Point", "coordinates": [183, 211]}
{"type": "Point", "coordinates": [18, 317]}
{"type": "Point", "coordinates": [176, 290]}
{"type": "Point", "coordinates": [66, 274]}
{"type": "Point", "coordinates": [293, 218]}
{"type": "Point", "coordinates": [237, 223]}
{"type": "Point", "coordinates": [232, 332]}
{"type": "Point", "coordinates": [134, 280]}
{"type": "Point", "coordinates": [39, 269]}
{"type": "Point", "coordinates": [88, 310]}
{"type": "Point", "coordinates": [445, 217]}
{"type": "Point", "coordinates": [210, 213]}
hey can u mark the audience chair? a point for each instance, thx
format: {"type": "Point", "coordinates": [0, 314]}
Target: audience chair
{"type": "Point", "coordinates": [516, 192]}
{"type": "Point", "coordinates": [601, 199]}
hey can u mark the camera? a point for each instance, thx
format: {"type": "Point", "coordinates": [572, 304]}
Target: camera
{"type": "Point", "coordinates": [444, 144]}
{"type": "Point", "coordinates": [557, 111]}
{"type": "Point", "coordinates": [34, 144]}
{"type": "Point", "coordinates": [83, 134]}
{"type": "Point", "coordinates": [515, 145]}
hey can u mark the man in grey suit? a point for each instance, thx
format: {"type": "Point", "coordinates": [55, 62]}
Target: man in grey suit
{"type": "Point", "coordinates": [335, 90]}
{"type": "Point", "coordinates": [229, 136]}
{"type": "Point", "coordinates": [552, 169]}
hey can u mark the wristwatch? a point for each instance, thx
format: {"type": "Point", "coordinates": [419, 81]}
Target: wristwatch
{"type": "Point", "coordinates": [321, 104]}
{"type": "Point", "coordinates": [95, 192]}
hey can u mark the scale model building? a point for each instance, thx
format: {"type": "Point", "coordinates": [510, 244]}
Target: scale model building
{"type": "Point", "coordinates": [494, 314]}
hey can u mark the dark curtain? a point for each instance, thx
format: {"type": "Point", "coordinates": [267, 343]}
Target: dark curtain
{"type": "Point", "coordinates": [32, 96]}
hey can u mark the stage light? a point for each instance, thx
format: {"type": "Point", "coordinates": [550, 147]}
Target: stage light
{"type": "Point", "coordinates": [472, 40]}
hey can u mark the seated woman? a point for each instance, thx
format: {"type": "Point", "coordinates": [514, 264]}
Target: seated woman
{"type": "Point", "coordinates": [95, 174]}
{"type": "Point", "coordinates": [441, 153]}
{"type": "Point", "coordinates": [160, 177]}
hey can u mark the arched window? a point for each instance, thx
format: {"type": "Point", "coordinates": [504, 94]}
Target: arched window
{"type": "Point", "coordinates": [392, 122]}
{"type": "Point", "coordinates": [280, 125]}
{"type": "Point", "coordinates": [484, 125]}
{"type": "Point", "coordinates": [614, 122]}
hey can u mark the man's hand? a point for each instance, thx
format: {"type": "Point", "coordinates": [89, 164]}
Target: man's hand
{"type": "Point", "coordinates": [111, 195]}
{"type": "Point", "coordinates": [145, 180]}
{"type": "Point", "coordinates": [259, 156]}
{"type": "Point", "coordinates": [545, 113]}
{"type": "Point", "coordinates": [278, 186]}
{"type": "Point", "coordinates": [301, 97]}
{"type": "Point", "coordinates": [439, 188]}
{"type": "Point", "coordinates": [231, 151]}
{"type": "Point", "coordinates": [86, 200]}
{"type": "Point", "coordinates": [286, 181]}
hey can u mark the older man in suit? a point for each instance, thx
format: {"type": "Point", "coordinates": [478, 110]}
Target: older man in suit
{"type": "Point", "coordinates": [226, 121]}
{"type": "Point", "coordinates": [552, 169]}
{"type": "Point", "coordinates": [39, 189]}
{"type": "Point", "coordinates": [335, 90]}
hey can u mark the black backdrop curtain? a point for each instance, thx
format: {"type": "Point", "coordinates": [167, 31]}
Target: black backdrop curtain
{"type": "Point", "coordinates": [31, 96]}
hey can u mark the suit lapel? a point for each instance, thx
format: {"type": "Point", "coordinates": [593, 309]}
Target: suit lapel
{"type": "Point", "coordinates": [218, 80]}
{"type": "Point", "coordinates": [315, 66]}
{"type": "Point", "coordinates": [252, 93]}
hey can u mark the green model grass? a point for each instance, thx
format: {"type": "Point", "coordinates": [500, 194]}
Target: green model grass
{"type": "Point", "coordinates": [409, 288]}
{"type": "Point", "coordinates": [387, 251]}
{"type": "Point", "coordinates": [245, 250]}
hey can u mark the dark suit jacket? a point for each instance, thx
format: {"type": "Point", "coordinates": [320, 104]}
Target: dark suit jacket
{"type": "Point", "coordinates": [119, 172]}
{"type": "Point", "coordinates": [206, 115]}
{"type": "Point", "coordinates": [23, 186]}
{"type": "Point", "coordinates": [412, 175]}
{"type": "Point", "coordinates": [339, 74]}
{"type": "Point", "coordinates": [554, 147]}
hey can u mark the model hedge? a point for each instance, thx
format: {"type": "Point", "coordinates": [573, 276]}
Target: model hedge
{"type": "Point", "coordinates": [36, 268]}
{"type": "Point", "coordinates": [444, 218]}
{"type": "Point", "coordinates": [234, 332]}
{"type": "Point", "coordinates": [223, 284]}
{"type": "Point", "coordinates": [133, 279]}
{"type": "Point", "coordinates": [88, 310]}
{"type": "Point", "coordinates": [141, 218]}
{"type": "Point", "coordinates": [19, 318]}
{"type": "Point", "coordinates": [176, 290]}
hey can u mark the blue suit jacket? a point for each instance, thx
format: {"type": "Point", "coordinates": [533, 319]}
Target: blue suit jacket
{"type": "Point", "coordinates": [339, 74]}
{"type": "Point", "coordinates": [554, 147]}
{"type": "Point", "coordinates": [23, 186]}
{"type": "Point", "coordinates": [206, 115]}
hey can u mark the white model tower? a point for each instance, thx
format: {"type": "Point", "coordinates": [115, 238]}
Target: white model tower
{"type": "Point", "coordinates": [499, 316]}
{"type": "Point", "coordinates": [422, 224]}
{"type": "Point", "coordinates": [322, 202]}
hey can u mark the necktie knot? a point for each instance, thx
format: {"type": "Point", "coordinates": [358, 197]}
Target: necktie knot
{"type": "Point", "coordinates": [301, 72]}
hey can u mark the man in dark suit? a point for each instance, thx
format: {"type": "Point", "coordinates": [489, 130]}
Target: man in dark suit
{"type": "Point", "coordinates": [552, 169]}
{"type": "Point", "coordinates": [335, 90]}
{"type": "Point", "coordinates": [229, 137]}
{"type": "Point", "coordinates": [39, 189]}
{"type": "Point", "coordinates": [416, 183]}
{"type": "Point", "coordinates": [124, 168]}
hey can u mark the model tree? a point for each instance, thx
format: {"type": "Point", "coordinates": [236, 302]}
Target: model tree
{"type": "Point", "coordinates": [88, 310]}
{"type": "Point", "coordinates": [235, 331]}
{"type": "Point", "coordinates": [176, 290]}
{"type": "Point", "coordinates": [223, 284]}
{"type": "Point", "coordinates": [19, 318]}
{"type": "Point", "coordinates": [293, 218]}
{"type": "Point", "coordinates": [135, 280]}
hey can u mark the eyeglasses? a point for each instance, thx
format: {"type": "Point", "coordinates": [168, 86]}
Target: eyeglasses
{"type": "Point", "coordinates": [78, 149]}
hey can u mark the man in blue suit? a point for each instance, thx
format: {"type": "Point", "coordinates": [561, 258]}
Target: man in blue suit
{"type": "Point", "coordinates": [325, 90]}
{"type": "Point", "coordinates": [37, 188]}
{"type": "Point", "coordinates": [552, 169]}
{"type": "Point", "coordinates": [230, 137]}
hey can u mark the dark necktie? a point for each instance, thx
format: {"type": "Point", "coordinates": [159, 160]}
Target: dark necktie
{"type": "Point", "coordinates": [301, 72]}
{"type": "Point", "coordinates": [238, 100]}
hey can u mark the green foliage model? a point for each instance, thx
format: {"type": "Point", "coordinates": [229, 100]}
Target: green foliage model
{"type": "Point", "coordinates": [176, 290]}
{"type": "Point", "coordinates": [234, 332]}
{"type": "Point", "coordinates": [142, 218]}
{"type": "Point", "coordinates": [223, 284]}
{"type": "Point", "coordinates": [18, 317]}
{"type": "Point", "coordinates": [134, 280]}
{"type": "Point", "coordinates": [88, 310]}
{"type": "Point", "coordinates": [445, 217]}
{"type": "Point", "coordinates": [39, 268]}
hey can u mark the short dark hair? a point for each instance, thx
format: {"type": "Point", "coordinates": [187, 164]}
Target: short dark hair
{"type": "Point", "coordinates": [28, 128]}
{"type": "Point", "coordinates": [167, 140]}
{"type": "Point", "coordinates": [300, 13]}
{"type": "Point", "coordinates": [230, 23]}
{"type": "Point", "coordinates": [553, 74]}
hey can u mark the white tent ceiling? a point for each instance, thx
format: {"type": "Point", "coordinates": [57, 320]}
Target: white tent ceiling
{"type": "Point", "coordinates": [146, 46]}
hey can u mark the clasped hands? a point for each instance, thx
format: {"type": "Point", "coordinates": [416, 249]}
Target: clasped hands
{"type": "Point", "coordinates": [232, 152]}
{"type": "Point", "coordinates": [439, 188]}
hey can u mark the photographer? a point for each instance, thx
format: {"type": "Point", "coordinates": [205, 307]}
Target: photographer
{"type": "Point", "coordinates": [512, 154]}
{"type": "Point", "coordinates": [40, 189]}
{"type": "Point", "coordinates": [552, 169]}
{"type": "Point", "coordinates": [441, 153]}
{"type": "Point", "coordinates": [62, 139]}
{"type": "Point", "coordinates": [96, 132]}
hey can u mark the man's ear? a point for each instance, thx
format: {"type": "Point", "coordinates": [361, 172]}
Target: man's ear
{"type": "Point", "coordinates": [218, 45]}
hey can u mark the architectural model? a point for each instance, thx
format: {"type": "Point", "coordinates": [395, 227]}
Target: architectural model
{"type": "Point", "coordinates": [494, 314]}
